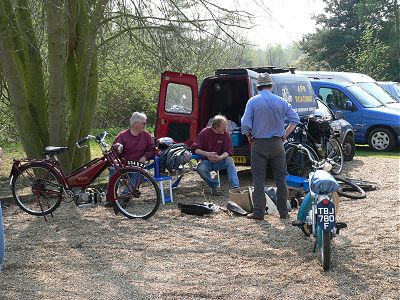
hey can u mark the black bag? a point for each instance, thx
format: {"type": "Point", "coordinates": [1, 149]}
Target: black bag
{"type": "Point", "coordinates": [318, 127]}
{"type": "Point", "coordinates": [174, 157]}
{"type": "Point", "coordinates": [195, 209]}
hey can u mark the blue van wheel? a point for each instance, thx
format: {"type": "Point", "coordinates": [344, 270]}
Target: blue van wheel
{"type": "Point", "coordinates": [381, 139]}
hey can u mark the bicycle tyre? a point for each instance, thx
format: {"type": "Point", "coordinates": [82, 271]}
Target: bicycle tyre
{"type": "Point", "coordinates": [27, 185]}
{"type": "Point", "coordinates": [355, 193]}
{"type": "Point", "coordinates": [297, 161]}
{"type": "Point", "coordinates": [137, 194]}
{"type": "Point", "coordinates": [365, 185]}
{"type": "Point", "coordinates": [325, 250]}
{"type": "Point", "coordinates": [334, 152]}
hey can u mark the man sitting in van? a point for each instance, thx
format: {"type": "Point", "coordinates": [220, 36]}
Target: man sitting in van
{"type": "Point", "coordinates": [215, 144]}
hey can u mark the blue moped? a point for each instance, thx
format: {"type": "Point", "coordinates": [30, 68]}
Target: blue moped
{"type": "Point", "coordinates": [317, 213]}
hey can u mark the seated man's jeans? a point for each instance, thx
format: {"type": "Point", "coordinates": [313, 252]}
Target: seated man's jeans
{"type": "Point", "coordinates": [205, 167]}
{"type": "Point", "coordinates": [133, 178]}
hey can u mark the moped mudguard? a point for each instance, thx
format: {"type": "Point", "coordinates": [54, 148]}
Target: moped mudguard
{"type": "Point", "coordinates": [304, 207]}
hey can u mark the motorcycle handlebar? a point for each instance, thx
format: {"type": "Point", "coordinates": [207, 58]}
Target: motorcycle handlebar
{"type": "Point", "coordinates": [82, 141]}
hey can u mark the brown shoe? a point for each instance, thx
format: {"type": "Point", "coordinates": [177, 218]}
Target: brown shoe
{"type": "Point", "coordinates": [255, 217]}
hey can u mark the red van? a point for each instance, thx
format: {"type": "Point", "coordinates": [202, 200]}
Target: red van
{"type": "Point", "coordinates": [183, 110]}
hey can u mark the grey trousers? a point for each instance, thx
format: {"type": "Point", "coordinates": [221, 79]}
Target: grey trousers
{"type": "Point", "coordinates": [270, 151]}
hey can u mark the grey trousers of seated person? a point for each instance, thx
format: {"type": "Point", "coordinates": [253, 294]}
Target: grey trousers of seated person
{"type": "Point", "coordinates": [264, 152]}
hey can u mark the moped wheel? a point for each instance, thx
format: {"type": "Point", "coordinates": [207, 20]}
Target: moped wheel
{"type": "Point", "coordinates": [137, 194]}
{"type": "Point", "coordinates": [325, 250]}
{"type": "Point", "coordinates": [334, 153]}
{"type": "Point", "coordinates": [37, 189]}
{"type": "Point", "coordinates": [297, 160]}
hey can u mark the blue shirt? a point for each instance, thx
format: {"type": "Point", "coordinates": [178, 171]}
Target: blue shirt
{"type": "Point", "coordinates": [265, 115]}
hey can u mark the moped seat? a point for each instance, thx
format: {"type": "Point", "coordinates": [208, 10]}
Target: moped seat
{"type": "Point", "coordinates": [51, 150]}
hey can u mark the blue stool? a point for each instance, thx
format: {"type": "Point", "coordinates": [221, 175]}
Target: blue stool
{"type": "Point", "coordinates": [165, 197]}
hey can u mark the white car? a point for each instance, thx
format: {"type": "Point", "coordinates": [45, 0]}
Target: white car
{"type": "Point", "coordinates": [392, 88]}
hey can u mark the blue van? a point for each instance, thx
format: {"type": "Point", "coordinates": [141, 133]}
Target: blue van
{"type": "Point", "coordinates": [373, 123]}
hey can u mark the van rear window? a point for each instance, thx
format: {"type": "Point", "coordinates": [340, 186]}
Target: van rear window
{"type": "Point", "coordinates": [179, 99]}
{"type": "Point", "coordinates": [299, 94]}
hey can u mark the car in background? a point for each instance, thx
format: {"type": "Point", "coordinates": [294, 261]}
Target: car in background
{"type": "Point", "coordinates": [373, 123]}
{"type": "Point", "coordinates": [361, 80]}
{"type": "Point", "coordinates": [340, 126]}
{"type": "Point", "coordinates": [392, 88]}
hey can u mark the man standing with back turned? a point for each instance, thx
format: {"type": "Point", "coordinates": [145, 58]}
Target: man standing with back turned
{"type": "Point", "coordinates": [263, 123]}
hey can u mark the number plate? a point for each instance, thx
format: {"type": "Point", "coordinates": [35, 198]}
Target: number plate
{"type": "Point", "coordinates": [239, 159]}
{"type": "Point", "coordinates": [326, 219]}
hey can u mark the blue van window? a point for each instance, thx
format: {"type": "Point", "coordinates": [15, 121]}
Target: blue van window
{"type": "Point", "coordinates": [179, 99]}
{"type": "Point", "coordinates": [333, 98]}
{"type": "Point", "coordinates": [365, 99]}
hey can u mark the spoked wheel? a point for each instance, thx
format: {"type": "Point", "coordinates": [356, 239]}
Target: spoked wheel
{"type": "Point", "coordinates": [334, 154]}
{"type": "Point", "coordinates": [298, 162]}
{"type": "Point", "coordinates": [325, 250]}
{"type": "Point", "coordinates": [137, 194]}
{"type": "Point", "coordinates": [350, 189]}
{"type": "Point", "coordinates": [37, 189]}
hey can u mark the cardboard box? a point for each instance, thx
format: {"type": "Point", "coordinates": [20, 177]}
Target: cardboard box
{"type": "Point", "coordinates": [241, 196]}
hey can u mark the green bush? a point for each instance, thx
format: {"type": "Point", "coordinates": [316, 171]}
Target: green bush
{"type": "Point", "coordinates": [127, 91]}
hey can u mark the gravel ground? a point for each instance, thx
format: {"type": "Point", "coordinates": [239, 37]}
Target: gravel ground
{"type": "Point", "coordinates": [93, 254]}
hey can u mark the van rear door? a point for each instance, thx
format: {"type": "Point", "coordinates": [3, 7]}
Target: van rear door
{"type": "Point", "coordinates": [177, 115]}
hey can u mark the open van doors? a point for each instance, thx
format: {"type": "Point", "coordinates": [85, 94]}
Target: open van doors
{"type": "Point", "coordinates": [178, 106]}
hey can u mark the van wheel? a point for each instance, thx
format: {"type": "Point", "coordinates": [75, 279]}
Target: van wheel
{"type": "Point", "coordinates": [349, 148]}
{"type": "Point", "coordinates": [381, 139]}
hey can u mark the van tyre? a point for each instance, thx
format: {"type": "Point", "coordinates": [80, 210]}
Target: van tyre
{"type": "Point", "coordinates": [381, 139]}
{"type": "Point", "coordinates": [349, 148]}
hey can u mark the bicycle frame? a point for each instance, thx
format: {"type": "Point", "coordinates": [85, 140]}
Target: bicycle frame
{"type": "Point", "coordinates": [40, 185]}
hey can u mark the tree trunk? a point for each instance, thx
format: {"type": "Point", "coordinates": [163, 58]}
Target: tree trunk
{"type": "Point", "coordinates": [33, 70]}
{"type": "Point", "coordinates": [82, 46]}
{"type": "Point", "coordinates": [57, 56]}
{"type": "Point", "coordinates": [17, 60]}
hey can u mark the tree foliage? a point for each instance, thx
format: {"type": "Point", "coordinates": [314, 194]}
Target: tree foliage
{"type": "Point", "coordinates": [371, 56]}
{"type": "Point", "coordinates": [274, 55]}
{"type": "Point", "coordinates": [49, 56]}
{"type": "Point", "coordinates": [352, 33]}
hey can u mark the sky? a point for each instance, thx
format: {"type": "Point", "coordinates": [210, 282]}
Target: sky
{"type": "Point", "coordinates": [287, 22]}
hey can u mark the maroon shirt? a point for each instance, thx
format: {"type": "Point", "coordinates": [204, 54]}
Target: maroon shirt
{"type": "Point", "coordinates": [209, 141]}
{"type": "Point", "coordinates": [136, 146]}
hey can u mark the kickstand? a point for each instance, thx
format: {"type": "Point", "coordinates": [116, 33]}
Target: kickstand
{"type": "Point", "coordinates": [45, 218]}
